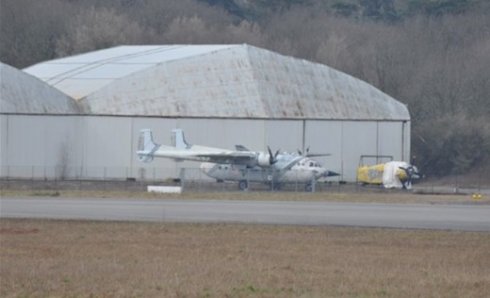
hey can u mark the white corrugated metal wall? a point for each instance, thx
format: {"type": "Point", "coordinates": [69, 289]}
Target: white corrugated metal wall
{"type": "Point", "coordinates": [103, 147]}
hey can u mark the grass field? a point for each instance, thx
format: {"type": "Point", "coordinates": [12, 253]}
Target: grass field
{"type": "Point", "coordinates": [386, 196]}
{"type": "Point", "coordinates": [40, 258]}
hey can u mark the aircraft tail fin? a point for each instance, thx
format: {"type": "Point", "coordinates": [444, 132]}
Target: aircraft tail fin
{"type": "Point", "coordinates": [178, 139]}
{"type": "Point", "coordinates": [241, 148]}
{"type": "Point", "coordinates": [146, 146]}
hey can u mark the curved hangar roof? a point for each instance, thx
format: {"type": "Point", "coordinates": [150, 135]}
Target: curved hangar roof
{"type": "Point", "coordinates": [213, 81]}
{"type": "Point", "coordinates": [23, 93]}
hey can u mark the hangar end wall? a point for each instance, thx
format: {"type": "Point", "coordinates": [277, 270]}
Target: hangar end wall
{"type": "Point", "coordinates": [103, 147]}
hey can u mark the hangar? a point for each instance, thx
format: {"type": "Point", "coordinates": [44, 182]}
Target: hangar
{"type": "Point", "coordinates": [221, 95]}
{"type": "Point", "coordinates": [22, 93]}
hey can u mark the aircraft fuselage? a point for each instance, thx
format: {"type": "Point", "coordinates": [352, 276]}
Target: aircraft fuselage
{"type": "Point", "coordinates": [299, 173]}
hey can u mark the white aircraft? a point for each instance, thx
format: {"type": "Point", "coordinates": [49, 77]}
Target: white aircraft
{"type": "Point", "coordinates": [241, 165]}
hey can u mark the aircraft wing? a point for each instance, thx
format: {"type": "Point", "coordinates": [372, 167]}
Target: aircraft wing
{"type": "Point", "coordinates": [317, 154]}
{"type": "Point", "coordinates": [308, 154]}
{"type": "Point", "coordinates": [148, 149]}
{"type": "Point", "coordinates": [235, 157]}
{"type": "Point", "coordinates": [281, 167]}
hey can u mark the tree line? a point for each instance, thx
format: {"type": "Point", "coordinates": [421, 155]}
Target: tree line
{"type": "Point", "coordinates": [433, 56]}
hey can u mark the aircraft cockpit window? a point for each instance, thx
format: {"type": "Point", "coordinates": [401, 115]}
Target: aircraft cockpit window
{"type": "Point", "coordinates": [312, 164]}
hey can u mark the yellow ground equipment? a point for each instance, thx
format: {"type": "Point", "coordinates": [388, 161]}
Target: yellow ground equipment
{"type": "Point", "coordinates": [392, 174]}
{"type": "Point", "coordinates": [371, 174]}
{"type": "Point", "coordinates": [367, 173]}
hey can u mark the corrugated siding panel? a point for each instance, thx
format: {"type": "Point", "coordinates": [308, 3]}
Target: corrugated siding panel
{"type": "Point", "coordinates": [3, 143]}
{"type": "Point", "coordinates": [390, 139]}
{"type": "Point", "coordinates": [358, 138]}
{"type": "Point", "coordinates": [325, 137]}
{"type": "Point", "coordinates": [104, 147]}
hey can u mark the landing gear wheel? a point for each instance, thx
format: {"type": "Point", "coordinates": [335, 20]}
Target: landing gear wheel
{"type": "Point", "coordinates": [243, 185]}
{"type": "Point", "coordinates": [276, 186]}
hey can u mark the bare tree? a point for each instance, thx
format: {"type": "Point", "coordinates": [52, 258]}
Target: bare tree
{"type": "Point", "coordinates": [438, 66]}
{"type": "Point", "coordinates": [99, 28]}
{"type": "Point", "coordinates": [29, 29]}
{"type": "Point", "coordinates": [62, 167]}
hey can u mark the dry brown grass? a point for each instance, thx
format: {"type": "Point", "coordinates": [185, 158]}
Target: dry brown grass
{"type": "Point", "coordinates": [73, 258]}
{"type": "Point", "coordinates": [386, 196]}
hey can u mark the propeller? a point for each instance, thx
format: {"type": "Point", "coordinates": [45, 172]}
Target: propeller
{"type": "Point", "coordinates": [272, 158]}
{"type": "Point", "coordinates": [411, 173]}
{"type": "Point", "coordinates": [307, 151]}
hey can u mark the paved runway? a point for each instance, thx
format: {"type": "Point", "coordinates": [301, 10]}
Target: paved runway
{"type": "Point", "coordinates": [411, 216]}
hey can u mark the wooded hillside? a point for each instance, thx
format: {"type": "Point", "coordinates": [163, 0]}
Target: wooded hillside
{"type": "Point", "coordinates": [432, 55]}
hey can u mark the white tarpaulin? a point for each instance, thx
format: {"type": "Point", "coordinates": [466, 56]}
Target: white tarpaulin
{"type": "Point", "coordinates": [390, 177]}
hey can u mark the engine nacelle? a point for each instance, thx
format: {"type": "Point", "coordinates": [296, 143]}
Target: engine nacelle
{"type": "Point", "coordinates": [264, 159]}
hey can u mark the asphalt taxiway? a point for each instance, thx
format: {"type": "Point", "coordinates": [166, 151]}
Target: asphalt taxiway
{"type": "Point", "coordinates": [410, 216]}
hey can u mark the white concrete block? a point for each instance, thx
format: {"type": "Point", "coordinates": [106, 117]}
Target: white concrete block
{"type": "Point", "coordinates": [164, 189]}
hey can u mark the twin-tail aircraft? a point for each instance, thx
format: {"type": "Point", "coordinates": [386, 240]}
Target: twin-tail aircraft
{"type": "Point", "coordinates": [241, 165]}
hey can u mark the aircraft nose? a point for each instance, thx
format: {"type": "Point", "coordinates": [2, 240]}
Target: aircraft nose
{"type": "Point", "coordinates": [328, 173]}
{"type": "Point", "coordinates": [323, 172]}
{"type": "Point", "coordinates": [319, 172]}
